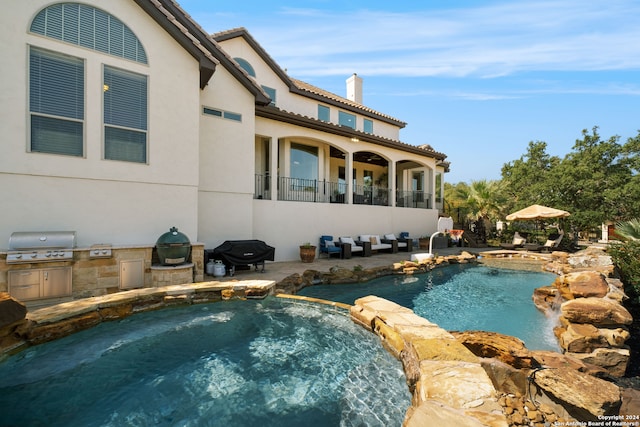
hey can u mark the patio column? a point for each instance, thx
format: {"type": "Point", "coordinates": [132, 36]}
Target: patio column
{"type": "Point", "coordinates": [391, 182]}
{"type": "Point", "coordinates": [348, 176]}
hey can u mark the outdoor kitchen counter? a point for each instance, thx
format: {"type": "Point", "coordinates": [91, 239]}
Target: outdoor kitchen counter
{"type": "Point", "coordinates": [104, 269]}
{"type": "Point", "coordinates": [3, 251]}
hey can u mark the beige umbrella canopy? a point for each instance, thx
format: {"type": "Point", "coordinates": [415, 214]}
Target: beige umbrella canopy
{"type": "Point", "coordinates": [537, 212]}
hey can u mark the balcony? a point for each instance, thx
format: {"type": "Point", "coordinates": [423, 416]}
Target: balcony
{"type": "Point", "coordinates": [371, 195]}
{"type": "Point", "coordinates": [413, 199]}
{"type": "Point", "coordinates": [321, 191]}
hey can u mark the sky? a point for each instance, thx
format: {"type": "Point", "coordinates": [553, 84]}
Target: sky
{"type": "Point", "coordinates": [477, 80]}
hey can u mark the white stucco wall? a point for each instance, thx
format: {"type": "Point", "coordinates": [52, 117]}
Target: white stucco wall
{"type": "Point", "coordinates": [118, 202]}
{"type": "Point", "coordinates": [227, 162]}
{"type": "Point", "coordinates": [287, 225]}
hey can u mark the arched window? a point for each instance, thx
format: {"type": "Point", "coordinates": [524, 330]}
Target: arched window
{"type": "Point", "coordinates": [245, 66]}
{"type": "Point", "coordinates": [89, 27]}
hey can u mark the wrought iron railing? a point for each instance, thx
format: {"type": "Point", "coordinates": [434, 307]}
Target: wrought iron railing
{"type": "Point", "coordinates": [413, 199]}
{"type": "Point", "coordinates": [311, 190]}
{"type": "Point", "coordinates": [371, 195]}
{"type": "Point", "coordinates": [321, 191]}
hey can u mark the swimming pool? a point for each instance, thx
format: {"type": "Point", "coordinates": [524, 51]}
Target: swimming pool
{"type": "Point", "coordinates": [272, 362]}
{"type": "Point", "coordinates": [463, 297]}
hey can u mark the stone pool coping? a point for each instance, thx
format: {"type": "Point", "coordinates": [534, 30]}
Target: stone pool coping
{"type": "Point", "coordinates": [56, 321]}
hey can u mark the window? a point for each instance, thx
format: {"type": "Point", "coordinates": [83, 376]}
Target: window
{"type": "Point", "coordinates": [125, 115]}
{"type": "Point", "coordinates": [304, 162]}
{"type": "Point", "coordinates": [272, 94]}
{"type": "Point", "coordinates": [323, 113]}
{"type": "Point", "coordinates": [237, 117]}
{"type": "Point", "coordinates": [368, 126]}
{"type": "Point", "coordinates": [244, 64]}
{"type": "Point", "coordinates": [89, 27]}
{"type": "Point", "coordinates": [56, 103]}
{"type": "Point", "coordinates": [232, 116]}
{"type": "Point", "coordinates": [346, 119]}
{"type": "Point", "coordinates": [212, 112]}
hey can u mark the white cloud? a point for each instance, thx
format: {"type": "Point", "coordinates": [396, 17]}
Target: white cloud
{"type": "Point", "coordinates": [493, 40]}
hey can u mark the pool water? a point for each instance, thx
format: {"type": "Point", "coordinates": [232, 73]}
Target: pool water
{"type": "Point", "coordinates": [463, 297]}
{"type": "Point", "coordinates": [262, 363]}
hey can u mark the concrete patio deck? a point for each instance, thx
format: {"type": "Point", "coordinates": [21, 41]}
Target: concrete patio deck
{"type": "Point", "coordinates": [277, 271]}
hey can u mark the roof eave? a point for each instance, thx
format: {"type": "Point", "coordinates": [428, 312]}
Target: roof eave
{"type": "Point", "coordinates": [199, 44]}
{"type": "Point", "coordinates": [274, 113]}
{"type": "Point", "coordinates": [206, 62]}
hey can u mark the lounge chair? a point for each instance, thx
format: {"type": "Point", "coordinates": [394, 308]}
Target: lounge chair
{"type": "Point", "coordinates": [518, 242]}
{"type": "Point", "coordinates": [404, 243]}
{"type": "Point", "coordinates": [553, 241]}
{"type": "Point", "coordinates": [329, 247]}
{"type": "Point", "coordinates": [349, 246]}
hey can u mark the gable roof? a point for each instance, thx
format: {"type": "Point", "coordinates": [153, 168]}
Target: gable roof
{"type": "Point", "coordinates": [179, 24]}
{"type": "Point", "coordinates": [302, 88]}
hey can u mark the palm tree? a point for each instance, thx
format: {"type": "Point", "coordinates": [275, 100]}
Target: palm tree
{"type": "Point", "coordinates": [629, 230]}
{"type": "Point", "coordinates": [481, 200]}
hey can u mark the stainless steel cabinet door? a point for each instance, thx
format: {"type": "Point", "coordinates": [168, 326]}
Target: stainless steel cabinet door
{"type": "Point", "coordinates": [56, 282]}
{"type": "Point", "coordinates": [24, 285]}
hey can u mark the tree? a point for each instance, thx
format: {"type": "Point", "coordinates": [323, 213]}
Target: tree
{"type": "Point", "coordinates": [588, 181]}
{"type": "Point", "coordinates": [526, 181]}
{"type": "Point", "coordinates": [481, 200]}
{"type": "Point", "coordinates": [598, 181]}
{"type": "Point", "coordinates": [629, 230]}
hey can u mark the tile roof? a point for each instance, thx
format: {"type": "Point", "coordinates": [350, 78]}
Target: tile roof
{"type": "Point", "coordinates": [199, 43]}
{"type": "Point", "coordinates": [300, 87]}
{"type": "Point", "coordinates": [304, 86]}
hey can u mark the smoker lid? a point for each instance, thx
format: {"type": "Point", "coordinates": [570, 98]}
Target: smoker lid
{"type": "Point", "coordinates": [173, 238]}
{"type": "Point", "coordinates": [30, 240]}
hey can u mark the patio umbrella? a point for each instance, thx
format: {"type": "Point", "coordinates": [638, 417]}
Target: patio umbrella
{"type": "Point", "coordinates": [537, 212]}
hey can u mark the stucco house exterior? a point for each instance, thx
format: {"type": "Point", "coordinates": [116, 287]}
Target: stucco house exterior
{"type": "Point", "coordinates": [120, 119]}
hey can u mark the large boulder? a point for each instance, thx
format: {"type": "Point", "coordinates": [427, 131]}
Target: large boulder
{"type": "Point", "coordinates": [616, 290]}
{"type": "Point", "coordinates": [456, 384]}
{"type": "Point", "coordinates": [552, 359]}
{"type": "Point", "coordinates": [591, 258]}
{"type": "Point", "coordinates": [613, 360]}
{"type": "Point", "coordinates": [505, 348]}
{"type": "Point", "coordinates": [585, 338]}
{"type": "Point", "coordinates": [582, 285]}
{"type": "Point", "coordinates": [546, 298]}
{"type": "Point", "coordinates": [585, 397]}
{"type": "Point", "coordinates": [11, 310]}
{"type": "Point", "coordinates": [12, 317]}
{"type": "Point", "coordinates": [505, 378]}
{"type": "Point", "coordinates": [596, 311]}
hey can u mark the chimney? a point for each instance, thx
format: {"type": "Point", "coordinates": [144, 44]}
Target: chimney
{"type": "Point", "coordinates": [354, 88]}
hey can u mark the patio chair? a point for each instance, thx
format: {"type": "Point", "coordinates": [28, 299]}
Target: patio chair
{"type": "Point", "coordinates": [553, 241]}
{"type": "Point", "coordinates": [404, 243]}
{"type": "Point", "coordinates": [518, 242]}
{"type": "Point", "coordinates": [349, 246]}
{"type": "Point", "coordinates": [329, 247]}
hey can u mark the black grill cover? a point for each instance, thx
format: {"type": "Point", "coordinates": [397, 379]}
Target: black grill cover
{"type": "Point", "coordinates": [243, 252]}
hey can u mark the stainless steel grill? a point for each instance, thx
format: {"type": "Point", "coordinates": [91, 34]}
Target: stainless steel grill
{"type": "Point", "coordinates": [41, 246]}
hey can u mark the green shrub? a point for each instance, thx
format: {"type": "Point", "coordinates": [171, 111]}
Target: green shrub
{"type": "Point", "coordinates": [626, 257]}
